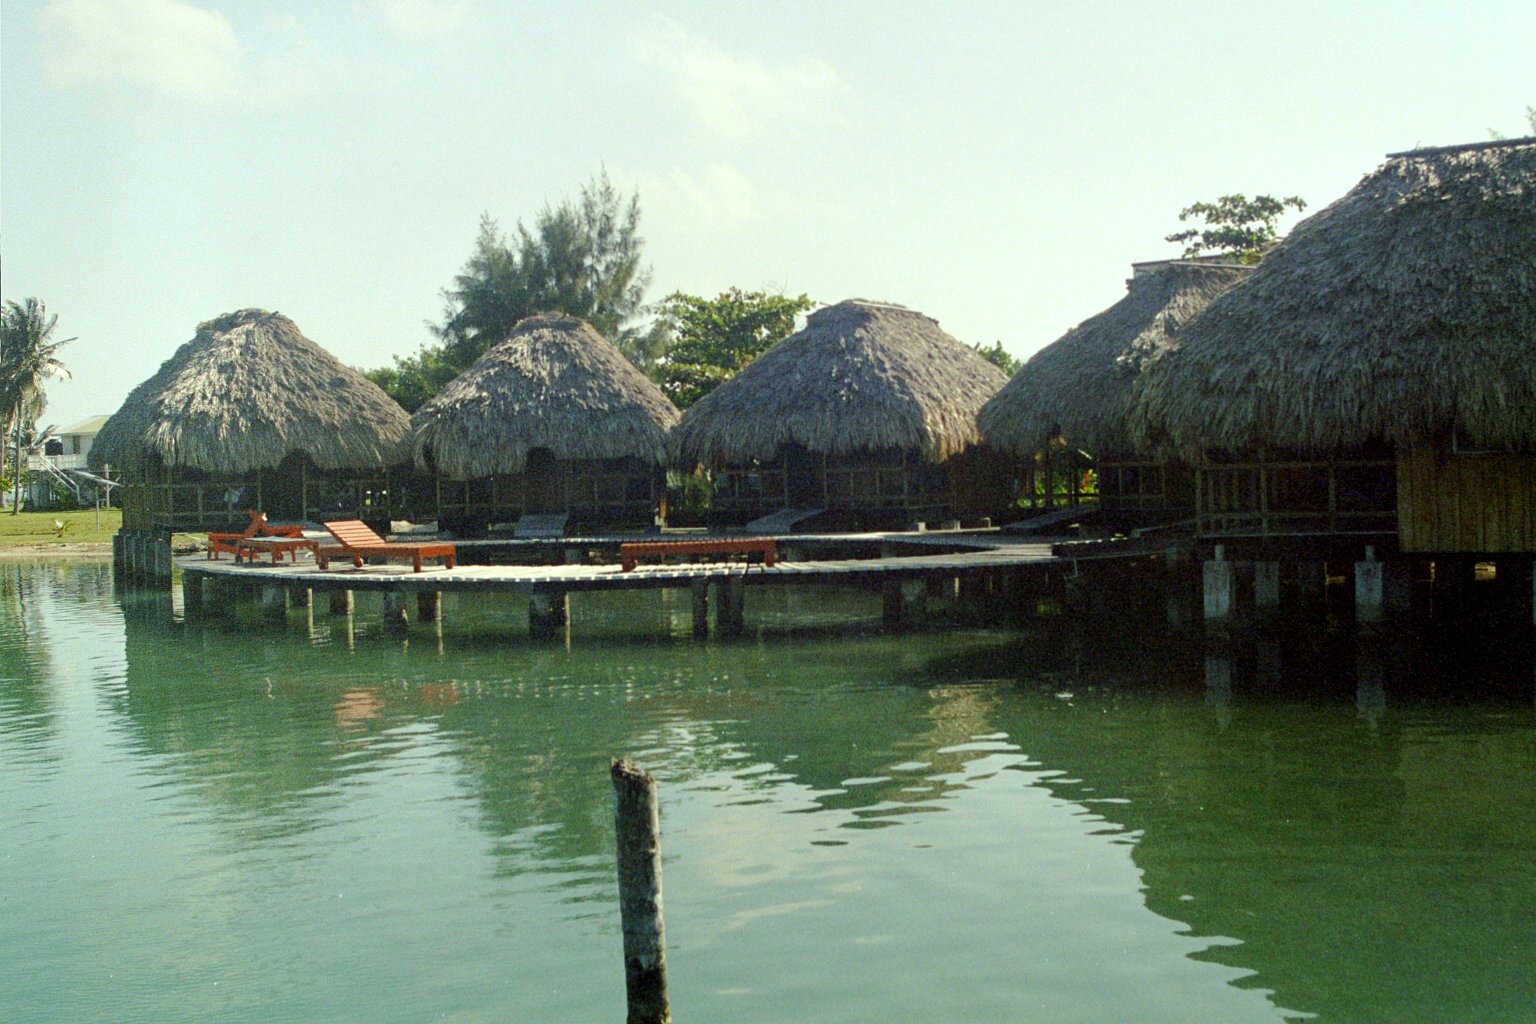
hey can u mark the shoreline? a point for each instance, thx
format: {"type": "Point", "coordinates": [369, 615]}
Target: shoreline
{"type": "Point", "coordinates": [85, 551]}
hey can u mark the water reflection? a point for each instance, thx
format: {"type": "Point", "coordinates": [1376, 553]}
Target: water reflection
{"type": "Point", "coordinates": [1071, 818]}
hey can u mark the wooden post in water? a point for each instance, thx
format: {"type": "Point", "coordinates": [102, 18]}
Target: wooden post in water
{"type": "Point", "coordinates": [1220, 591]}
{"type": "Point", "coordinates": [548, 614]}
{"type": "Point", "coordinates": [191, 596]}
{"type": "Point", "coordinates": [341, 602]}
{"type": "Point", "coordinates": [637, 828]}
{"type": "Point", "coordinates": [699, 588]}
{"type": "Point", "coordinates": [429, 605]}
{"type": "Point", "coordinates": [274, 603]}
{"type": "Point", "coordinates": [395, 618]}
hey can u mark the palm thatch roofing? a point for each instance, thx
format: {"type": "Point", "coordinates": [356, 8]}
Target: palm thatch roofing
{"type": "Point", "coordinates": [554, 383]}
{"type": "Point", "coordinates": [1405, 312]}
{"type": "Point", "coordinates": [244, 393]}
{"type": "Point", "coordinates": [860, 376]}
{"type": "Point", "coordinates": [1079, 385]}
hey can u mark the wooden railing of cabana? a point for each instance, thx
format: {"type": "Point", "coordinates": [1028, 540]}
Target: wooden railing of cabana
{"type": "Point", "coordinates": [611, 493]}
{"type": "Point", "coordinates": [1270, 494]}
{"type": "Point", "coordinates": [878, 484]}
{"type": "Point", "coordinates": [190, 501]}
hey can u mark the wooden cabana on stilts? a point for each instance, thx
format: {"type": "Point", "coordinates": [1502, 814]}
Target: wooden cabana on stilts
{"type": "Point", "coordinates": [250, 414]}
{"type": "Point", "coordinates": [1063, 413]}
{"type": "Point", "coordinates": [552, 421]}
{"type": "Point", "coordinates": [869, 413]}
{"type": "Point", "coordinates": [1377, 372]}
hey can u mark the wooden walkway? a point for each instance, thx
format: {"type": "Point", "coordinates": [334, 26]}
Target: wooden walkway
{"type": "Point", "coordinates": [532, 579]}
{"type": "Point", "coordinates": [903, 580]}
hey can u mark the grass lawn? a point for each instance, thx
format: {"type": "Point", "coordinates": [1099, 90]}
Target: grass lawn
{"type": "Point", "coordinates": [80, 527]}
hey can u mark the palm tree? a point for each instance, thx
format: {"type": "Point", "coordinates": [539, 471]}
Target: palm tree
{"type": "Point", "coordinates": [28, 359]}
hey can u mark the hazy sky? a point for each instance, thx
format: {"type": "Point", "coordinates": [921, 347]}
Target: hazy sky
{"type": "Point", "coordinates": [996, 165]}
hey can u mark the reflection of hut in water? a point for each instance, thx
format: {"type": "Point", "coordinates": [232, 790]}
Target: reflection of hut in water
{"type": "Point", "coordinates": [552, 420]}
{"type": "Point", "coordinates": [1064, 411]}
{"type": "Point", "coordinates": [870, 411]}
{"type": "Point", "coordinates": [251, 414]}
{"type": "Point", "coordinates": [1378, 369]}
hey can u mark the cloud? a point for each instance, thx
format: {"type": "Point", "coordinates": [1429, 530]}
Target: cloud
{"type": "Point", "coordinates": [418, 19]}
{"type": "Point", "coordinates": [170, 46]}
{"type": "Point", "coordinates": [719, 200]}
{"type": "Point", "coordinates": [736, 96]}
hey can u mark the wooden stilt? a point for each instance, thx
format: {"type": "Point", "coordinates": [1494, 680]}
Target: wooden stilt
{"type": "Point", "coordinates": [429, 605]}
{"type": "Point", "coordinates": [637, 832]}
{"type": "Point", "coordinates": [274, 603]}
{"type": "Point", "coordinates": [395, 618]}
{"type": "Point", "coordinates": [699, 589]}
{"type": "Point", "coordinates": [341, 602]}
{"type": "Point", "coordinates": [548, 614]}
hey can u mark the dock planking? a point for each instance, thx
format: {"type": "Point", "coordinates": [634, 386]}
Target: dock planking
{"type": "Point", "coordinates": [531, 579]}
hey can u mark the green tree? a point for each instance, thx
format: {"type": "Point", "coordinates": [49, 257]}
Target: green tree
{"type": "Point", "coordinates": [1235, 226]}
{"type": "Point", "coordinates": [28, 359]}
{"type": "Point", "coordinates": [581, 258]}
{"type": "Point", "coordinates": [998, 357]}
{"type": "Point", "coordinates": [712, 340]}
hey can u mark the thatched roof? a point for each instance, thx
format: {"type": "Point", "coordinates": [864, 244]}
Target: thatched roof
{"type": "Point", "coordinates": [1401, 313]}
{"type": "Point", "coordinates": [554, 383]}
{"type": "Point", "coordinates": [1079, 385]}
{"type": "Point", "coordinates": [860, 376]}
{"type": "Point", "coordinates": [244, 393]}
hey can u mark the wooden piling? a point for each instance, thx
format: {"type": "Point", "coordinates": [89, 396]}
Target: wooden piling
{"type": "Point", "coordinates": [274, 603]}
{"type": "Point", "coordinates": [699, 589]}
{"type": "Point", "coordinates": [637, 832]}
{"type": "Point", "coordinates": [1220, 591]}
{"type": "Point", "coordinates": [341, 602]}
{"type": "Point", "coordinates": [191, 596]}
{"type": "Point", "coordinates": [395, 617]}
{"type": "Point", "coordinates": [730, 606]}
{"type": "Point", "coordinates": [548, 614]}
{"type": "Point", "coordinates": [429, 605]}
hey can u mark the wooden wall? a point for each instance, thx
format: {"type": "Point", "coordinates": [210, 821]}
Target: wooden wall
{"type": "Point", "coordinates": [1483, 504]}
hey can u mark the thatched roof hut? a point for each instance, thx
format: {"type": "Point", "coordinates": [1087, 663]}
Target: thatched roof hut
{"type": "Point", "coordinates": [554, 383]}
{"type": "Point", "coordinates": [1079, 385]}
{"type": "Point", "coordinates": [861, 376]}
{"type": "Point", "coordinates": [246, 392]}
{"type": "Point", "coordinates": [1402, 313]}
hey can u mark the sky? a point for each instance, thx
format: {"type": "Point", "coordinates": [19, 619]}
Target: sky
{"type": "Point", "coordinates": [998, 166]}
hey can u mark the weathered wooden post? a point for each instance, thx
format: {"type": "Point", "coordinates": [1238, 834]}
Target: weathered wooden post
{"type": "Point", "coordinates": [1220, 591]}
{"type": "Point", "coordinates": [1266, 590]}
{"type": "Point", "coordinates": [341, 602]}
{"type": "Point", "coordinates": [730, 606]}
{"type": "Point", "coordinates": [429, 605]}
{"type": "Point", "coordinates": [637, 828]}
{"type": "Point", "coordinates": [274, 603]}
{"type": "Point", "coordinates": [191, 596]}
{"type": "Point", "coordinates": [699, 588]}
{"type": "Point", "coordinates": [395, 618]}
{"type": "Point", "coordinates": [548, 614]}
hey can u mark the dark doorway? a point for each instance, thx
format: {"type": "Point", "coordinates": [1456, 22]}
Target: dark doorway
{"type": "Point", "coordinates": [802, 477]}
{"type": "Point", "coordinates": [542, 482]}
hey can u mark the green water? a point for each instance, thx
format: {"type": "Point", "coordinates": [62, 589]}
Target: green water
{"type": "Point", "coordinates": [247, 822]}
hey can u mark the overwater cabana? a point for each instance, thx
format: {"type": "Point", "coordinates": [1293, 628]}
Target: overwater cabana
{"type": "Point", "coordinates": [1377, 372]}
{"type": "Point", "coordinates": [869, 412]}
{"type": "Point", "coordinates": [1071, 397]}
{"type": "Point", "coordinates": [251, 414]}
{"type": "Point", "coordinates": [552, 421]}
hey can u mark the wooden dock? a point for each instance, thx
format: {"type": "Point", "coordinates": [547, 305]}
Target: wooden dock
{"type": "Point", "coordinates": [902, 578]}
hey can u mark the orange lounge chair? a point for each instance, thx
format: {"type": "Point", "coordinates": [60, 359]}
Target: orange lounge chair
{"type": "Point", "coordinates": [258, 527]}
{"type": "Point", "coordinates": [355, 540]}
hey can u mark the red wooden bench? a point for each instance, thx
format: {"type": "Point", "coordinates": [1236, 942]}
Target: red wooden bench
{"type": "Point", "coordinates": [355, 540]}
{"type": "Point", "coordinates": [631, 551]}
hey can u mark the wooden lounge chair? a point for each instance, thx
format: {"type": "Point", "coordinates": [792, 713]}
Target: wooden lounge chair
{"type": "Point", "coordinates": [258, 527]}
{"type": "Point", "coordinates": [355, 540]}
